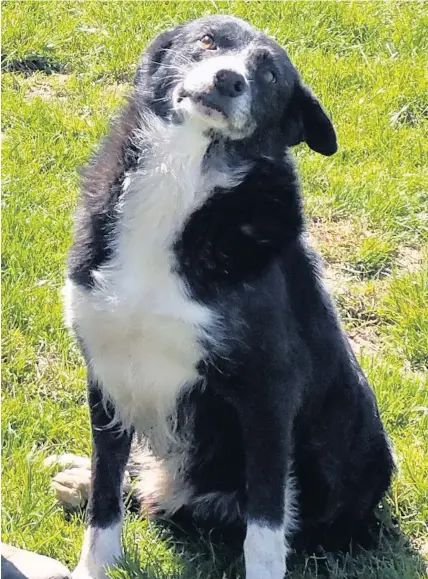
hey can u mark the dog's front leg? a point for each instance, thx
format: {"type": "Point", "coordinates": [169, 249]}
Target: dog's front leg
{"type": "Point", "coordinates": [266, 425]}
{"type": "Point", "coordinates": [110, 452]}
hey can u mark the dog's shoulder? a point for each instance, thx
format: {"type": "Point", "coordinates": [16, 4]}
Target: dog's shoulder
{"type": "Point", "coordinates": [101, 185]}
{"type": "Point", "coordinates": [239, 231]}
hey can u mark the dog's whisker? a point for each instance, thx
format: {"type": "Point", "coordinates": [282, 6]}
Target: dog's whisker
{"type": "Point", "coordinates": [179, 55]}
{"type": "Point", "coordinates": [162, 99]}
{"type": "Point", "coordinates": [176, 68]}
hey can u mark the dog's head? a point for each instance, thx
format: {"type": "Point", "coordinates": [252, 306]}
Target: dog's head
{"type": "Point", "coordinates": [219, 73]}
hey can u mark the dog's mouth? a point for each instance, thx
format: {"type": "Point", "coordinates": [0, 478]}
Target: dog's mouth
{"type": "Point", "coordinates": [203, 103]}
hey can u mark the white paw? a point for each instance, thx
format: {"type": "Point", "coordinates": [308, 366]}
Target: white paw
{"type": "Point", "coordinates": [265, 551]}
{"type": "Point", "coordinates": [271, 571]}
{"type": "Point", "coordinates": [72, 487]}
{"type": "Point", "coordinates": [77, 574]}
{"type": "Point", "coordinates": [83, 573]}
{"type": "Point", "coordinates": [101, 550]}
{"type": "Point", "coordinates": [93, 570]}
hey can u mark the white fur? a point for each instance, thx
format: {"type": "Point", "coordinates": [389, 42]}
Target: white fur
{"type": "Point", "coordinates": [163, 490]}
{"type": "Point", "coordinates": [139, 326]}
{"type": "Point", "coordinates": [101, 550]}
{"type": "Point", "coordinates": [291, 507]}
{"type": "Point", "coordinates": [202, 74]}
{"type": "Point", "coordinates": [200, 79]}
{"type": "Point", "coordinates": [264, 551]}
{"type": "Point", "coordinates": [161, 485]}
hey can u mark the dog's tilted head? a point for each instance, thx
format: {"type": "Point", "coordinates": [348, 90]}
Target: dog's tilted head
{"type": "Point", "coordinates": [219, 73]}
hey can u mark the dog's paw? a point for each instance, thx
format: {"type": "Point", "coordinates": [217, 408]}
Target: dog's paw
{"type": "Point", "coordinates": [72, 487]}
{"type": "Point", "coordinates": [83, 573]}
{"type": "Point", "coordinates": [62, 461]}
{"type": "Point", "coordinates": [257, 571]}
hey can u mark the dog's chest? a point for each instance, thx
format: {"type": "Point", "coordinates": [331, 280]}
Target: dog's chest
{"type": "Point", "coordinates": [141, 329]}
{"type": "Point", "coordinates": [142, 360]}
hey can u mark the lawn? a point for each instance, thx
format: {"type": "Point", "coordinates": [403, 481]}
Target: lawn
{"type": "Point", "coordinates": [66, 67]}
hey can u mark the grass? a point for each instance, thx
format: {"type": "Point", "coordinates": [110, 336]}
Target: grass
{"type": "Point", "coordinates": [67, 66]}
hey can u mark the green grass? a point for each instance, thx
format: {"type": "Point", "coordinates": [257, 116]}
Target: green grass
{"type": "Point", "coordinates": [367, 209]}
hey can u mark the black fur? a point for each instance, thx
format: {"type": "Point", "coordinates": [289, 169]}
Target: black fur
{"type": "Point", "coordinates": [102, 185]}
{"type": "Point", "coordinates": [290, 391]}
{"type": "Point", "coordinates": [110, 454]}
{"type": "Point", "coordinates": [237, 233]}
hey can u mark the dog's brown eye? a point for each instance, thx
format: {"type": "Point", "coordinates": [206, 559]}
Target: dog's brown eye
{"type": "Point", "coordinates": [269, 76]}
{"type": "Point", "coordinates": [207, 41]}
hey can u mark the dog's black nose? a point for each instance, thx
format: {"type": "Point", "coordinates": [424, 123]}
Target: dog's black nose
{"type": "Point", "coordinates": [229, 83]}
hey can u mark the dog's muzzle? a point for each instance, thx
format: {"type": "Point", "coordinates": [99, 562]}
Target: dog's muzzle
{"type": "Point", "coordinates": [226, 85]}
{"type": "Point", "coordinates": [217, 92]}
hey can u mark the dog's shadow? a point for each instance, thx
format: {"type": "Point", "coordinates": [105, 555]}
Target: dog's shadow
{"type": "Point", "coordinates": [196, 555]}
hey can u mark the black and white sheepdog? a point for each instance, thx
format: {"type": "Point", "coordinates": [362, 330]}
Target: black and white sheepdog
{"type": "Point", "coordinates": [210, 341]}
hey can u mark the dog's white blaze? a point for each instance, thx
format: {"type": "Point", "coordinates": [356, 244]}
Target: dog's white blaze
{"type": "Point", "coordinates": [201, 76]}
{"type": "Point", "coordinates": [100, 551]}
{"type": "Point", "coordinates": [264, 551]}
{"type": "Point", "coordinates": [139, 326]}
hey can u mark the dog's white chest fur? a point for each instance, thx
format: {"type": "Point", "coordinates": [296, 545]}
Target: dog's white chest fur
{"type": "Point", "coordinates": [139, 327]}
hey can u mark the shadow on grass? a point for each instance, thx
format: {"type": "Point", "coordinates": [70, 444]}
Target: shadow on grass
{"type": "Point", "coordinates": [30, 64]}
{"type": "Point", "coordinates": [197, 556]}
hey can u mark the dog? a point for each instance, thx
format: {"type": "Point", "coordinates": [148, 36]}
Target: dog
{"type": "Point", "coordinates": [212, 346]}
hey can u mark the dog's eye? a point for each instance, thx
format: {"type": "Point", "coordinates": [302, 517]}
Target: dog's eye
{"type": "Point", "coordinates": [207, 41]}
{"type": "Point", "coordinates": [269, 76]}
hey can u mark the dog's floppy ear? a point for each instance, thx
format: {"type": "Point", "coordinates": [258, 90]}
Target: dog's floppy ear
{"type": "Point", "coordinates": [306, 120]}
{"type": "Point", "coordinates": [154, 54]}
